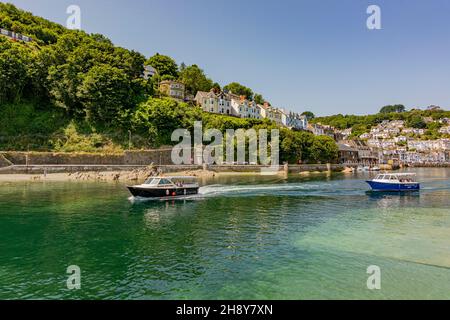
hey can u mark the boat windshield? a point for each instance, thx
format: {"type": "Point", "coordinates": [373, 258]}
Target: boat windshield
{"type": "Point", "coordinates": [178, 181]}
{"type": "Point", "coordinates": [158, 181]}
{"type": "Point", "coordinates": [152, 181]}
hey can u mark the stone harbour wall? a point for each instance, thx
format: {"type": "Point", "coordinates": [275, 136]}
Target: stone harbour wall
{"type": "Point", "coordinates": [156, 157]}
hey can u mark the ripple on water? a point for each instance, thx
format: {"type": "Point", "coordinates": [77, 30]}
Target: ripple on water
{"type": "Point", "coordinates": [300, 238]}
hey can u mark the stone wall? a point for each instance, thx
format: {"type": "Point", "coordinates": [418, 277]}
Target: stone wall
{"type": "Point", "coordinates": [315, 167]}
{"type": "Point", "coordinates": [69, 162]}
{"type": "Point", "coordinates": [4, 162]}
{"type": "Point", "coordinates": [147, 157]}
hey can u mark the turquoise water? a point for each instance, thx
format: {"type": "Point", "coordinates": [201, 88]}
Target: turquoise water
{"type": "Point", "coordinates": [309, 237]}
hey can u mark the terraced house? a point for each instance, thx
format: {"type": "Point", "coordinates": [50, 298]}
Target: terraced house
{"type": "Point", "coordinates": [293, 120]}
{"type": "Point", "coordinates": [244, 108]}
{"type": "Point", "coordinates": [271, 113]}
{"type": "Point", "coordinates": [239, 106]}
{"type": "Point", "coordinates": [214, 102]}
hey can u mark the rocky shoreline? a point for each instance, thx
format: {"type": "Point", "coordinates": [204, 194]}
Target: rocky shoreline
{"type": "Point", "coordinates": [135, 176]}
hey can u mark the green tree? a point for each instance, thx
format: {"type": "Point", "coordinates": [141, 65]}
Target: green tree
{"type": "Point", "coordinates": [295, 145]}
{"type": "Point", "coordinates": [324, 149]}
{"type": "Point", "coordinates": [393, 108]}
{"type": "Point", "coordinates": [195, 80]}
{"type": "Point", "coordinates": [309, 115]}
{"type": "Point", "coordinates": [239, 89]}
{"type": "Point", "coordinates": [104, 92]}
{"type": "Point", "coordinates": [158, 118]}
{"type": "Point", "coordinates": [259, 99]}
{"type": "Point", "coordinates": [14, 70]}
{"type": "Point", "coordinates": [216, 87]}
{"type": "Point", "coordinates": [416, 121]}
{"type": "Point", "coordinates": [165, 65]}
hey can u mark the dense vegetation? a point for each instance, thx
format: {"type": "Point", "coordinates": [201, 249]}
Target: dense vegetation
{"type": "Point", "coordinates": [71, 91]}
{"type": "Point", "coordinates": [393, 108]}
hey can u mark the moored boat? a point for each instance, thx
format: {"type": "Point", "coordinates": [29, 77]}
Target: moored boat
{"type": "Point", "coordinates": [394, 182]}
{"type": "Point", "coordinates": [166, 187]}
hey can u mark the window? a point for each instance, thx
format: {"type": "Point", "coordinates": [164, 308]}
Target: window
{"type": "Point", "coordinates": [164, 182]}
{"type": "Point", "coordinates": [152, 181]}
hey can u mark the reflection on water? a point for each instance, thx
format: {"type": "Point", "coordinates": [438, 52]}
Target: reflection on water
{"type": "Point", "coordinates": [390, 199]}
{"type": "Point", "coordinates": [309, 236]}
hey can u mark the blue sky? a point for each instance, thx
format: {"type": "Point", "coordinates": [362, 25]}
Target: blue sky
{"type": "Point", "coordinates": [300, 54]}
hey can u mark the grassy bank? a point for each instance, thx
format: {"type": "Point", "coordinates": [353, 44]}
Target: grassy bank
{"type": "Point", "coordinates": [30, 126]}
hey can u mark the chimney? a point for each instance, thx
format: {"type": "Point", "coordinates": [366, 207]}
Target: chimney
{"type": "Point", "coordinates": [242, 98]}
{"type": "Point", "coordinates": [266, 104]}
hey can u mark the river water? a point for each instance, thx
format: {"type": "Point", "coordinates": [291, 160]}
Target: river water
{"type": "Point", "coordinates": [305, 237]}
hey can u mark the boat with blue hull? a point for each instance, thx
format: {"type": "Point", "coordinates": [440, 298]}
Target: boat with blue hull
{"type": "Point", "coordinates": [394, 182]}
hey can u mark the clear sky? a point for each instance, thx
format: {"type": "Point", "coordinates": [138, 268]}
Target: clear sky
{"type": "Point", "coordinates": [300, 54]}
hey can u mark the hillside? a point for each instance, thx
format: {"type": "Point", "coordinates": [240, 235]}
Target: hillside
{"type": "Point", "coordinates": [63, 80]}
{"type": "Point", "coordinates": [72, 91]}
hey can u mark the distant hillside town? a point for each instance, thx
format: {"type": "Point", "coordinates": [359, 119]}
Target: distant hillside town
{"type": "Point", "coordinates": [393, 142]}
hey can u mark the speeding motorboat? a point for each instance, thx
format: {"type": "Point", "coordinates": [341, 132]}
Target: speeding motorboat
{"type": "Point", "coordinates": [166, 187]}
{"type": "Point", "coordinates": [394, 182]}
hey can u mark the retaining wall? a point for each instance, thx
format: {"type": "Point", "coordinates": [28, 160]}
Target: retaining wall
{"type": "Point", "coordinates": [39, 162]}
{"type": "Point", "coordinates": [147, 157]}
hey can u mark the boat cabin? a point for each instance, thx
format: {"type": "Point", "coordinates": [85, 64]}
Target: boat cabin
{"type": "Point", "coordinates": [169, 182]}
{"type": "Point", "coordinates": [396, 177]}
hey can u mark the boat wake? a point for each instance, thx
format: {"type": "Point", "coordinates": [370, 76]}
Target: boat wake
{"type": "Point", "coordinates": [255, 189]}
{"type": "Point", "coordinates": [247, 190]}
{"type": "Point", "coordinates": [286, 189]}
{"type": "Point", "coordinates": [302, 189]}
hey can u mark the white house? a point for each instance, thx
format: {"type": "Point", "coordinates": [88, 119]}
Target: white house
{"type": "Point", "coordinates": [293, 120]}
{"type": "Point", "coordinates": [213, 102]}
{"type": "Point", "coordinates": [271, 113]}
{"type": "Point", "coordinates": [400, 139]}
{"type": "Point", "coordinates": [445, 130]}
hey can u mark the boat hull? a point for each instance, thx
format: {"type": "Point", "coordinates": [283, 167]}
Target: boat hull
{"type": "Point", "coordinates": [161, 192]}
{"type": "Point", "coordinates": [382, 186]}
